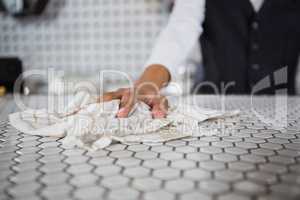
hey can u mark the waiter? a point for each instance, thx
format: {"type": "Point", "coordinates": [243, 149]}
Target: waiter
{"type": "Point", "coordinates": [242, 42]}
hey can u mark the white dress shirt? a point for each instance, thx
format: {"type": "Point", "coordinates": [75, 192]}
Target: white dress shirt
{"type": "Point", "coordinates": [181, 34]}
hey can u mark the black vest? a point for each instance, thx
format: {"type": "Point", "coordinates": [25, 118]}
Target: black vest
{"type": "Point", "coordinates": [242, 46]}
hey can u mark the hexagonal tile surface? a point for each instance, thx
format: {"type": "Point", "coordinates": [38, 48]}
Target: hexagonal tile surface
{"type": "Point", "coordinates": [247, 160]}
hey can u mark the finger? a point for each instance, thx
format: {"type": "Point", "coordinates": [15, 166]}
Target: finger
{"type": "Point", "coordinates": [126, 104]}
{"type": "Point", "coordinates": [108, 96]}
{"type": "Point", "coordinates": [160, 108]}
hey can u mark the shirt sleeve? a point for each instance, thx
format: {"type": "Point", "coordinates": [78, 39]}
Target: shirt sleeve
{"type": "Point", "coordinates": [179, 36]}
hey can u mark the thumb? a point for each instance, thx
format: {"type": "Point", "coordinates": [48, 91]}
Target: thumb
{"type": "Point", "coordinates": [160, 108]}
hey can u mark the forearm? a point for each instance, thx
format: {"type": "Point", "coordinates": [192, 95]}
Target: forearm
{"type": "Point", "coordinates": [155, 77]}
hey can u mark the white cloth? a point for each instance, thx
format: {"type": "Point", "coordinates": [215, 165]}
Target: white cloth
{"type": "Point", "coordinates": [91, 125]}
{"type": "Point", "coordinates": [180, 35]}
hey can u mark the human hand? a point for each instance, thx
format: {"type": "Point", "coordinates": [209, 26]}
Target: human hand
{"type": "Point", "coordinates": [146, 93]}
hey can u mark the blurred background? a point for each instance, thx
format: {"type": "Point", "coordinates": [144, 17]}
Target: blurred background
{"type": "Point", "coordinates": [82, 37]}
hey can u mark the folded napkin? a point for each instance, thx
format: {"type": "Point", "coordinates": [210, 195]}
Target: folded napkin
{"type": "Point", "coordinates": [91, 125]}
